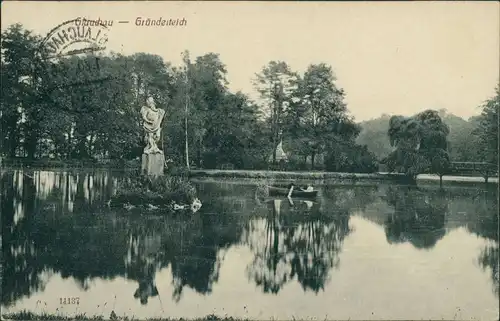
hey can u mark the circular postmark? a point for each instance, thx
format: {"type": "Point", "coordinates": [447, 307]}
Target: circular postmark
{"type": "Point", "coordinates": [75, 36]}
{"type": "Point", "coordinates": [69, 53]}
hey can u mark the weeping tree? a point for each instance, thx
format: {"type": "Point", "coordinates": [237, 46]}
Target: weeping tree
{"type": "Point", "coordinates": [420, 145]}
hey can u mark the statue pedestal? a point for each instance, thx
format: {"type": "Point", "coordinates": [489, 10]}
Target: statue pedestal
{"type": "Point", "coordinates": [152, 164]}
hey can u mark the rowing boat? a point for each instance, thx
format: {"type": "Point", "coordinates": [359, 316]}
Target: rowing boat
{"type": "Point", "coordinates": [273, 190]}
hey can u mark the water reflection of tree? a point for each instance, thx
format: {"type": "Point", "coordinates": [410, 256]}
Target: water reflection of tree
{"type": "Point", "coordinates": [418, 218]}
{"type": "Point", "coordinates": [143, 258]}
{"type": "Point", "coordinates": [489, 258]}
{"type": "Point", "coordinates": [86, 241]}
{"type": "Point", "coordinates": [53, 235]}
{"type": "Point", "coordinates": [302, 241]}
{"type": "Point", "coordinates": [196, 255]}
{"type": "Point", "coordinates": [17, 250]}
{"type": "Point", "coordinates": [485, 224]}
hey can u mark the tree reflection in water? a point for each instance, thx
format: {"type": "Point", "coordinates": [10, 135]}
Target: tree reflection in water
{"type": "Point", "coordinates": [63, 227]}
{"type": "Point", "coordinates": [53, 235]}
{"type": "Point", "coordinates": [143, 259]}
{"type": "Point", "coordinates": [419, 216]}
{"type": "Point", "coordinates": [302, 239]}
{"type": "Point", "coordinates": [489, 259]}
{"type": "Point", "coordinates": [485, 224]}
{"type": "Point", "coordinates": [18, 253]}
{"type": "Point", "coordinates": [196, 252]}
{"type": "Point", "coordinates": [57, 223]}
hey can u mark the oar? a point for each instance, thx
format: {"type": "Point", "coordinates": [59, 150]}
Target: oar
{"type": "Point", "coordinates": [161, 303]}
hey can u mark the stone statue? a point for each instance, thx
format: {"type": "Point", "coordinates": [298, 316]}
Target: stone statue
{"type": "Point", "coordinates": [152, 117]}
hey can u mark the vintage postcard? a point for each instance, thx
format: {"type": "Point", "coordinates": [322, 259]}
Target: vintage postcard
{"type": "Point", "coordinates": [249, 160]}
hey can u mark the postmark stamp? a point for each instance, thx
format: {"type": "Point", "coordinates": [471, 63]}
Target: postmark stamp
{"type": "Point", "coordinates": [71, 49]}
{"type": "Point", "coordinates": [76, 36]}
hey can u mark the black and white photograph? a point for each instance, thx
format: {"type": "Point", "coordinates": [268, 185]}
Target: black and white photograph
{"type": "Point", "coordinates": [249, 160]}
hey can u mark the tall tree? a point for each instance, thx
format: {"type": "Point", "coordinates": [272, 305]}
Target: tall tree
{"type": "Point", "coordinates": [276, 84]}
{"type": "Point", "coordinates": [236, 133]}
{"type": "Point", "coordinates": [209, 87]}
{"type": "Point", "coordinates": [203, 82]}
{"type": "Point", "coordinates": [321, 111]}
{"type": "Point", "coordinates": [187, 62]}
{"type": "Point", "coordinates": [487, 131]}
{"type": "Point", "coordinates": [21, 107]}
{"type": "Point", "coordinates": [97, 118]}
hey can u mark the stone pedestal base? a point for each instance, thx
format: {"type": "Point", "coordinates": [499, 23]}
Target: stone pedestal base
{"type": "Point", "coordinates": [152, 164]}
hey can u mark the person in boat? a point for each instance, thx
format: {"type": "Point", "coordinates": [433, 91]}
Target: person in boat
{"type": "Point", "coordinates": [291, 187]}
{"type": "Point", "coordinates": [309, 188]}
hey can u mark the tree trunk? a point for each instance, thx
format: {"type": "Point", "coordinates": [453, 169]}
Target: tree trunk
{"type": "Point", "coordinates": [275, 130]}
{"type": "Point", "coordinates": [199, 156]}
{"type": "Point", "coordinates": [440, 180]}
{"type": "Point", "coordinates": [69, 145]}
{"type": "Point", "coordinates": [275, 141]}
{"type": "Point", "coordinates": [91, 146]}
{"type": "Point", "coordinates": [82, 148]}
{"type": "Point", "coordinates": [313, 156]}
{"type": "Point", "coordinates": [13, 146]}
{"type": "Point", "coordinates": [31, 144]}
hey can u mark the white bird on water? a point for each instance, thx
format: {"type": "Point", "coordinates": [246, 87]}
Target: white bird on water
{"type": "Point", "coordinates": [128, 206]}
{"type": "Point", "coordinates": [195, 207]}
{"type": "Point", "coordinates": [152, 207]}
{"type": "Point", "coordinates": [179, 207]}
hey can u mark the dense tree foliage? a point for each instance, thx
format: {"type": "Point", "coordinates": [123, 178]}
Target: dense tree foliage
{"type": "Point", "coordinates": [276, 83]}
{"type": "Point", "coordinates": [86, 107]}
{"type": "Point", "coordinates": [463, 143]}
{"type": "Point", "coordinates": [19, 48]}
{"type": "Point", "coordinates": [420, 144]}
{"type": "Point", "coordinates": [487, 131]}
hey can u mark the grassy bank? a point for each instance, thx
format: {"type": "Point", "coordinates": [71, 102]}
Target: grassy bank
{"type": "Point", "coordinates": [28, 316]}
{"type": "Point", "coordinates": [292, 175]}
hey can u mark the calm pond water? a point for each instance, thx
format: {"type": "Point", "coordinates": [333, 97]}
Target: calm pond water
{"type": "Point", "coordinates": [360, 252]}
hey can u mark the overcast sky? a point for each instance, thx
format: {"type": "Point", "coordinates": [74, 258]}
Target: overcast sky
{"type": "Point", "coordinates": [394, 58]}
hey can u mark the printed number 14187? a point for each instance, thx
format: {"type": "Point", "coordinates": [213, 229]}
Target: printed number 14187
{"type": "Point", "coordinates": [69, 300]}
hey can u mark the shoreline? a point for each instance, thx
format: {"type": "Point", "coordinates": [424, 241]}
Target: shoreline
{"type": "Point", "coordinates": [284, 176]}
{"type": "Point", "coordinates": [330, 176]}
